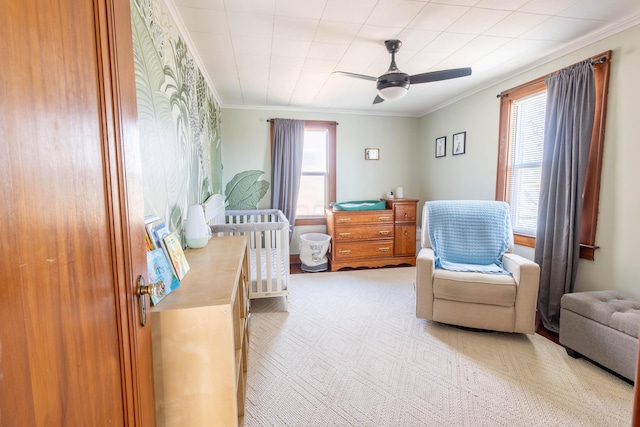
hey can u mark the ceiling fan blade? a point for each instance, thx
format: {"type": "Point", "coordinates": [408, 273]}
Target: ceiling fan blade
{"type": "Point", "coordinates": [378, 99]}
{"type": "Point", "coordinates": [357, 76]}
{"type": "Point", "coordinates": [434, 76]}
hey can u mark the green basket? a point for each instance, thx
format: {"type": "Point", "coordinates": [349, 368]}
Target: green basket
{"type": "Point", "coordinates": [359, 205]}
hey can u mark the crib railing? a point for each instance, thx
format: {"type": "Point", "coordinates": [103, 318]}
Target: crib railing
{"type": "Point", "coordinates": [267, 232]}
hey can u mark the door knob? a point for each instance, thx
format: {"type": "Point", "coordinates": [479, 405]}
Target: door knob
{"type": "Point", "coordinates": [156, 289]}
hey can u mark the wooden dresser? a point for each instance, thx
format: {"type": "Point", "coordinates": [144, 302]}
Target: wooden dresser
{"type": "Point", "coordinates": [200, 339]}
{"type": "Point", "coordinates": [374, 238]}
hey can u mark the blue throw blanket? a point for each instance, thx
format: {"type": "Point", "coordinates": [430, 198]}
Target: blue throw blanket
{"type": "Point", "coordinates": [469, 235]}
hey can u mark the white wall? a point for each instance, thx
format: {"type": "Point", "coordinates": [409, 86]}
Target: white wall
{"type": "Point", "coordinates": [473, 174]}
{"type": "Point", "coordinates": [245, 146]}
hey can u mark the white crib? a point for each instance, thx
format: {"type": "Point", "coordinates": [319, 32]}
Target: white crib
{"type": "Point", "coordinates": [267, 232]}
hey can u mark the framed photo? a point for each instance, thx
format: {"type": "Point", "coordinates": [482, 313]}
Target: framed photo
{"type": "Point", "coordinates": [459, 143]}
{"type": "Point", "coordinates": [372, 154]}
{"type": "Point", "coordinates": [441, 146]}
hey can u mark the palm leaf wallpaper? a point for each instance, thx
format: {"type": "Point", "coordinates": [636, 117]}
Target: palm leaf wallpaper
{"type": "Point", "coordinates": [245, 190]}
{"type": "Point", "coordinates": [178, 117]}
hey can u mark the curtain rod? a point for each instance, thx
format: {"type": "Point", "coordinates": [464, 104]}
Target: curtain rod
{"type": "Point", "coordinates": [268, 120]}
{"type": "Point", "coordinates": [596, 60]}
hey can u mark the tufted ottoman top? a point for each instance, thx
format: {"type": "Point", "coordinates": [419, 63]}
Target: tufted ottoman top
{"type": "Point", "coordinates": [617, 309]}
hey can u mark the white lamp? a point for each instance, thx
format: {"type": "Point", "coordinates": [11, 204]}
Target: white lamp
{"type": "Point", "coordinates": [196, 231]}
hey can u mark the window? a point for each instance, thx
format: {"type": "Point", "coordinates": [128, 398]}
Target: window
{"type": "Point", "coordinates": [318, 180]}
{"type": "Point", "coordinates": [522, 111]}
{"type": "Point", "coordinates": [318, 176]}
{"type": "Point", "coordinates": [312, 197]}
{"type": "Point", "coordinates": [525, 154]}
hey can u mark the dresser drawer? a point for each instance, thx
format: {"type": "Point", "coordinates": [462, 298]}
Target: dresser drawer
{"type": "Point", "coordinates": [363, 232]}
{"type": "Point", "coordinates": [405, 213]}
{"type": "Point", "coordinates": [375, 249]}
{"type": "Point", "coordinates": [362, 217]}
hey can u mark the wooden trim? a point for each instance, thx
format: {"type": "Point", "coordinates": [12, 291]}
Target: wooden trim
{"type": "Point", "coordinates": [586, 251]}
{"type": "Point", "coordinates": [330, 126]}
{"type": "Point", "coordinates": [505, 127]}
{"type": "Point", "coordinates": [503, 150]}
{"type": "Point", "coordinates": [331, 158]}
{"type": "Point", "coordinates": [635, 419]}
{"type": "Point", "coordinates": [114, 46]}
{"type": "Point", "coordinates": [524, 240]}
{"type": "Point", "coordinates": [591, 195]}
{"type": "Point", "coordinates": [311, 221]}
{"type": "Point", "coordinates": [294, 259]}
{"type": "Point", "coordinates": [113, 144]}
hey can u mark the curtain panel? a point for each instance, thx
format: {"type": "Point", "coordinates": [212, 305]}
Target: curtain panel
{"type": "Point", "coordinates": [286, 165]}
{"type": "Point", "coordinates": [568, 127]}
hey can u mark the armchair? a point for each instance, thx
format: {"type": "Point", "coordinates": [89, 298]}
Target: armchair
{"type": "Point", "coordinates": [463, 293]}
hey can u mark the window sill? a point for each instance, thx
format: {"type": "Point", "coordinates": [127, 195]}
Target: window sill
{"type": "Point", "coordinates": [586, 251]}
{"type": "Point", "coordinates": [524, 240]}
{"type": "Point", "coordinates": [319, 220]}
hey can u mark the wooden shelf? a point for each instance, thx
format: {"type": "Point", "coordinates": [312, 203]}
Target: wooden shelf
{"type": "Point", "coordinates": [200, 338]}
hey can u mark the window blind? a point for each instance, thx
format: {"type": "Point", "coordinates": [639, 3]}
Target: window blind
{"type": "Point", "coordinates": [527, 141]}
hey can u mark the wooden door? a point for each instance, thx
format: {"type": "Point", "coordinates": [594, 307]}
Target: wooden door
{"type": "Point", "coordinates": [71, 242]}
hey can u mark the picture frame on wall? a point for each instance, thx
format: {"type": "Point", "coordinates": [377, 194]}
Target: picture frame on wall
{"type": "Point", "coordinates": [459, 143]}
{"type": "Point", "coordinates": [441, 146]}
{"type": "Point", "coordinates": [372, 154]}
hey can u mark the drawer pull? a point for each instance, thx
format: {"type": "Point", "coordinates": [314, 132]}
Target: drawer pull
{"type": "Point", "coordinates": [383, 249]}
{"type": "Point", "coordinates": [384, 218]}
{"type": "Point", "coordinates": [345, 252]}
{"type": "Point", "coordinates": [345, 234]}
{"type": "Point", "coordinates": [406, 214]}
{"type": "Point", "coordinates": [345, 219]}
{"type": "Point", "coordinates": [384, 232]}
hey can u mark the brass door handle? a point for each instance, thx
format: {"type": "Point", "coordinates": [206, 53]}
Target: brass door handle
{"type": "Point", "coordinates": [156, 289]}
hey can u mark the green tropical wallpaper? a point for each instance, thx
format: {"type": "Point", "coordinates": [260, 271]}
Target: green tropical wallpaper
{"type": "Point", "coordinates": [245, 190]}
{"type": "Point", "coordinates": [178, 117]}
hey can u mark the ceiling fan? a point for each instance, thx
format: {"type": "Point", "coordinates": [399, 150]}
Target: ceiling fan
{"type": "Point", "coordinates": [394, 84]}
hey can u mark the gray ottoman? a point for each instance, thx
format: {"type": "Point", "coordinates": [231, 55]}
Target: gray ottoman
{"type": "Point", "coordinates": [603, 327]}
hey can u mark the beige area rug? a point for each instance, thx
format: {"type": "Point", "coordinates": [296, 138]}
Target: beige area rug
{"type": "Point", "coordinates": [350, 352]}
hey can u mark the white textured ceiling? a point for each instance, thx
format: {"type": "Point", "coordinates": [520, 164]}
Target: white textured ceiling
{"type": "Point", "coordinates": [281, 53]}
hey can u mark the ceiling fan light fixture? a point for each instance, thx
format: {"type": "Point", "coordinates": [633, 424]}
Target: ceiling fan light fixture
{"type": "Point", "coordinates": [393, 85]}
{"type": "Point", "coordinates": [392, 92]}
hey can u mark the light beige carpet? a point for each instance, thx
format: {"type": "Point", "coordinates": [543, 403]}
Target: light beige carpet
{"type": "Point", "coordinates": [350, 352]}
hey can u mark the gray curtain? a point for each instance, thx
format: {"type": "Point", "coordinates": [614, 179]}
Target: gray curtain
{"type": "Point", "coordinates": [568, 127]}
{"type": "Point", "coordinates": [286, 164]}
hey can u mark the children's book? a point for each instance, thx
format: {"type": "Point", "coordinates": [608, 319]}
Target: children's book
{"type": "Point", "coordinates": [175, 254]}
{"type": "Point", "coordinates": [159, 269]}
{"type": "Point", "coordinates": [147, 242]}
{"type": "Point", "coordinates": [157, 231]}
{"type": "Point", "coordinates": [148, 220]}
